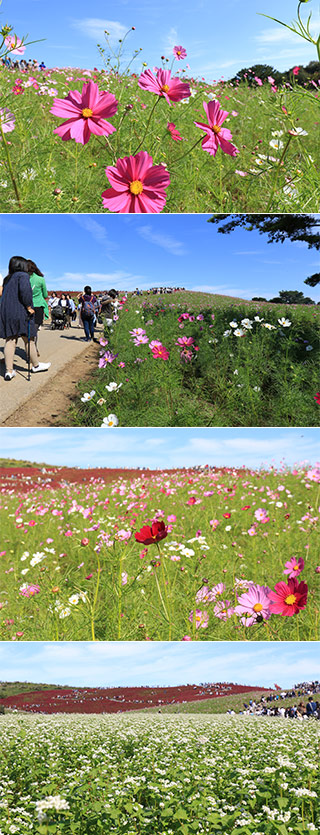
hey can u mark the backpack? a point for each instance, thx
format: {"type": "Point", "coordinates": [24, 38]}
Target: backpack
{"type": "Point", "coordinates": [88, 309]}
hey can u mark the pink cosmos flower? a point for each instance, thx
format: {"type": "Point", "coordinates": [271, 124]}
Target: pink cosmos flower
{"type": "Point", "coordinates": [216, 135]}
{"type": "Point", "coordinates": [288, 599]}
{"type": "Point", "coordinates": [184, 341]}
{"type": "Point", "coordinates": [223, 610]}
{"type": "Point", "coordinates": [218, 590]}
{"type": "Point", "coordinates": [7, 120]}
{"type": "Point", "coordinates": [255, 604]}
{"type": "Point", "coordinates": [160, 352]}
{"type": "Point", "coordinates": [294, 567]}
{"type": "Point", "coordinates": [138, 186]}
{"type": "Point", "coordinates": [86, 113]}
{"type": "Point", "coordinates": [29, 590]}
{"type": "Point", "coordinates": [179, 52]}
{"type": "Point", "coordinates": [108, 357]}
{"type": "Point", "coordinates": [14, 45]}
{"type": "Point", "coordinates": [201, 618]}
{"type": "Point", "coordinates": [154, 343]}
{"type": "Point", "coordinates": [174, 133]}
{"type": "Point", "coordinates": [295, 70]}
{"type": "Point", "coordinates": [124, 578]}
{"type": "Point", "coordinates": [261, 515]}
{"type": "Point", "coordinates": [172, 89]}
{"type": "Point", "coordinates": [142, 339]}
{"type": "Point", "coordinates": [204, 594]}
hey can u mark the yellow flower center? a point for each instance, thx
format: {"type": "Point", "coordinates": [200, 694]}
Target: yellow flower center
{"type": "Point", "coordinates": [165, 88]}
{"type": "Point", "coordinates": [257, 607]}
{"type": "Point", "coordinates": [296, 568]}
{"type": "Point", "coordinates": [179, 52]}
{"type": "Point", "coordinates": [216, 128]}
{"type": "Point", "coordinates": [136, 187]}
{"type": "Point", "coordinates": [198, 617]}
{"type": "Point", "coordinates": [87, 112]}
{"type": "Point", "coordinates": [290, 599]}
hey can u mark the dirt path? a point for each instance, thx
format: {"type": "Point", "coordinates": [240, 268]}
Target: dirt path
{"type": "Point", "coordinates": [45, 400]}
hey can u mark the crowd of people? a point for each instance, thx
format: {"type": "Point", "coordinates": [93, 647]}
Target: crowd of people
{"type": "Point", "coordinates": [23, 66]}
{"type": "Point", "coordinates": [270, 705]}
{"type": "Point", "coordinates": [156, 291]}
{"type": "Point", "coordinates": [25, 304]}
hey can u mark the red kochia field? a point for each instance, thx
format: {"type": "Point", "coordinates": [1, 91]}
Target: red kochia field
{"type": "Point", "coordinates": [118, 699]}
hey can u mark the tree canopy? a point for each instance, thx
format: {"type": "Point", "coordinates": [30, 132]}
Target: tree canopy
{"type": "Point", "coordinates": [278, 228]}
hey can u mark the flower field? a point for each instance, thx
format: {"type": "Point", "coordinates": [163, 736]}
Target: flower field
{"type": "Point", "coordinates": [195, 359]}
{"type": "Point", "coordinates": [184, 775]}
{"type": "Point", "coordinates": [100, 141]}
{"type": "Point", "coordinates": [185, 555]}
{"type": "Point", "coordinates": [119, 699]}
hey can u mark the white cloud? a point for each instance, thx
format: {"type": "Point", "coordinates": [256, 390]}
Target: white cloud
{"type": "Point", "coordinates": [167, 242]}
{"type": "Point", "coordinates": [119, 279]}
{"type": "Point", "coordinates": [95, 27]}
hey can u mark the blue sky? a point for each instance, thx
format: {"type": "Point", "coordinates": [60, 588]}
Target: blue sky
{"type": "Point", "coordinates": [179, 250]}
{"type": "Point", "coordinates": [162, 663]}
{"type": "Point", "coordinates": [162, 447]}
{"type": "Point", "coordinates": [220, 38]}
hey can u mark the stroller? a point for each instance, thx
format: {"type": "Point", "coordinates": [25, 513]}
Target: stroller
{"type": "Point", "coordinates": [60, 318]}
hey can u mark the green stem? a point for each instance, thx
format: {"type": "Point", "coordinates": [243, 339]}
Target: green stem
{"type": "Point", "coordinates": [277, 172]}
{"type": "Point", "coordinates": [10, 167]}
{"type": "Point", "coordinates": [177, 159]}
{"type": "Point", "coordinates": [147, 125]}
{"type": "Point", "coordinates": [119, 599]}
{"type": "Point", "coordinates": [95, 603]}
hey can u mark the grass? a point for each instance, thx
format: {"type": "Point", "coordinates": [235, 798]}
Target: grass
{"type": "Point", "coordinates": [262, 378]}
{"type": "Point", "coordinates": [13, 688]}
{"type": "Point", "coordinates": [71, 568]}
{"type": "Point", "coordinates": [50, 175]}
{"type": "Point", "coordinates": [174, 775]}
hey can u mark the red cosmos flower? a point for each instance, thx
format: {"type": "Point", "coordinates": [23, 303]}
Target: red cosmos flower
{"type": "Point", "coordinates": [138, 186]}
{"type": "Point", "coordinates": [288, 599]}
{"type": "Point", "coordinates": [86, 113]}
{"type": "Point", "coordinates": [172, 89]}
{"type": "Point", "coordinates": [149, 535]}
{"type": "Point", "coordinates": [174, 133]}
{"type": "Point", "coordinates": [215, 134]}
{"type": "Point", "coordinates": [317, 397]}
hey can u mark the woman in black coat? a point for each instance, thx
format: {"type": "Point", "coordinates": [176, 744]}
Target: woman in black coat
{"type": "Point", "coordinates": [16, 312]}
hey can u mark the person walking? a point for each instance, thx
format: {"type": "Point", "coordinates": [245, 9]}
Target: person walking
{"type": "Point", "coordinates": [39, 297]}
{"type": "Point", "coordinates": [17, 316]}
{"type": "Point", "coordinates": [89, 307]}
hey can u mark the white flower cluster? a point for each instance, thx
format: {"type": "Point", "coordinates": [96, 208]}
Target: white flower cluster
{"type": "Point", "coordinates": [51, 802]}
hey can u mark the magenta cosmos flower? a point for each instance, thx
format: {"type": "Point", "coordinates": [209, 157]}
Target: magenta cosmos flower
{"type": "Point", "coordinates": [14, 45]}
{"type": "Point", "coordinates": [216, 134]}
{"type": "Point", "coordinates": [172, 89]}
{"type": "Point", "coordinates": [174, 133]}
{"type": "Point", "coordinates": [294, 567]}
{"type": "Point", "coordinates": [138, 186]}
{"type": "Point", "coordinates": [160, 352]}
{"type": "Point", "coordinates": [86, 113]}
{"type": "Point", "coordinates": [255, 604]}
{"type": "Point", "coordinates": [179, 52]}
{"type": "Point", "coordinates": [288, 599]}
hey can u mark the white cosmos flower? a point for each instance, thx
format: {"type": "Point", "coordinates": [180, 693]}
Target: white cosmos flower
{"type": "Point", "coordinates": [109, 421]}
{"type": "Point", "coordinates": [309, 348]}
{"type": "Point", "coordinates": [113, 386]}
{"type": "Point", "coordinates": [233, 324]}
{"type": "Point", "coordinates": [268, 326]}
{"type": "Point", "coordinates": [298, 132]}
{"type": "Point", "coordinates": [256, 388]}
{"type": "Point", "coordinates": [276, 144]}
{"type": "Point", "coordinates": [239, 332]}
{"type": "Point", "coordinates": [284, 322]}
{"type": "Point", "coordinates": [88, 395]}
{"type": "Point", "coordinates": [289, 191]}
{"type": "Point", "coordinates": [227, 333]}
{"type": "Point", "coordinates": [247, 323]}
{"type": "Point", "coordinates": [277, 133]}
{"type": "Point", "coordinates": [257, 319]}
